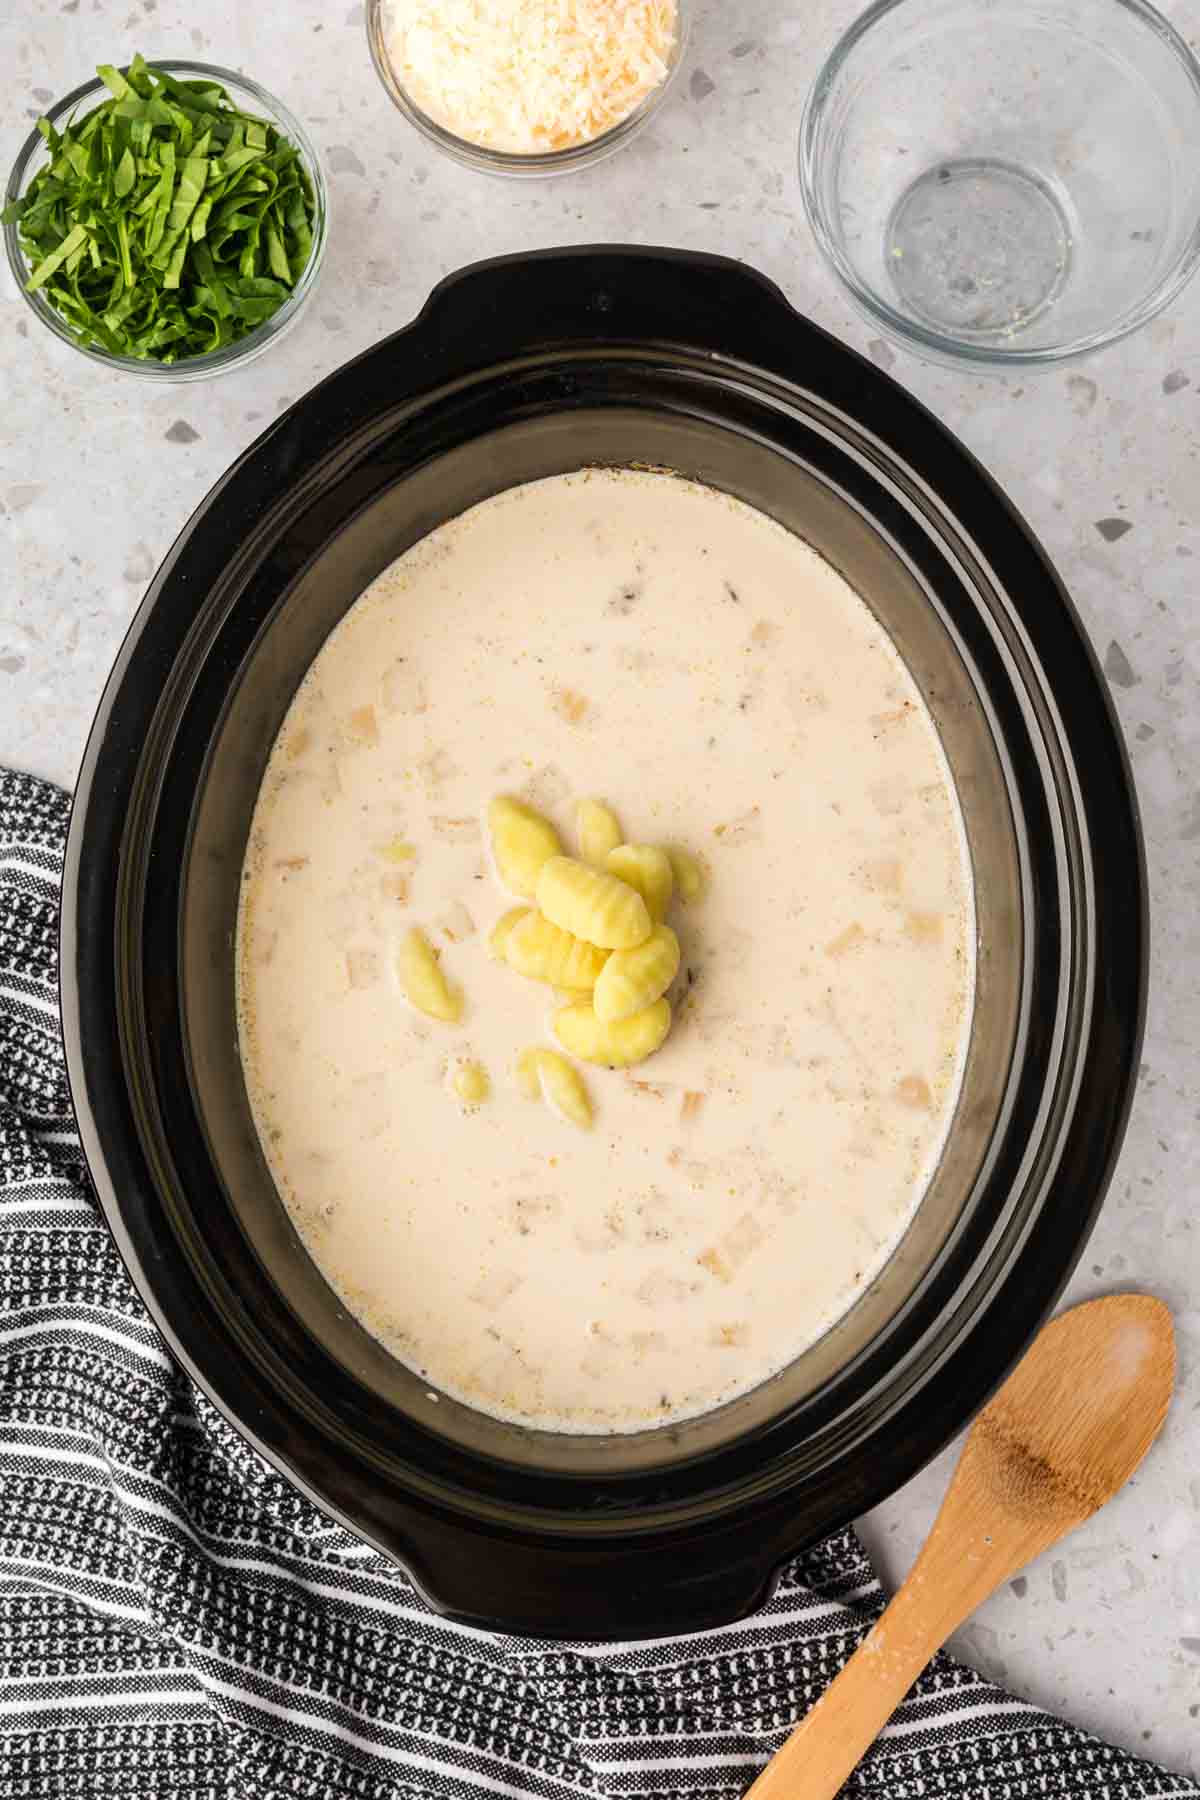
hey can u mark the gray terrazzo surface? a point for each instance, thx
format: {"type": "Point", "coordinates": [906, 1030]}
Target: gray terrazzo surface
{"type": "Point", "coordinates": [98, 473]}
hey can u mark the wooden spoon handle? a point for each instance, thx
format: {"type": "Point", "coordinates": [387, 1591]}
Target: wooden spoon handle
{"type": "Point", "coordinates": [965, 1558]}
{"type": "Point", "coordinates": [831, 1740]}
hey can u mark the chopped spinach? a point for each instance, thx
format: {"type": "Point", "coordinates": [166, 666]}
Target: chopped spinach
{"type": "Point", "coordinates": [166, 223]}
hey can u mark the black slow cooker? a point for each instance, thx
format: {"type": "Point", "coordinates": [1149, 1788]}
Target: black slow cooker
{"type": "Point", "coordinates": [517, 369]}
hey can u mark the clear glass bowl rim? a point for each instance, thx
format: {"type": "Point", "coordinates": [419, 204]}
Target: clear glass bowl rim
{"type": "Point", "coordinates": [213, 362]}
{"type": "Point", "coordinates": [512, 162]}
{"type": "Point", "coordinates": [942, 345]}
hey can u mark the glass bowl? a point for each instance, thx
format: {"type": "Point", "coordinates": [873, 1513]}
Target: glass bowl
{"type": "Point", "coordinates": [249, 96]}
{"type": "Point", "coordinates": [1007, 181]}
{"type": "Point", "coordinates": [508, 162]}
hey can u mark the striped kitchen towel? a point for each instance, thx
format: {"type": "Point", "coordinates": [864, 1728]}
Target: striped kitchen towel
{"type": "Point", "coordinates": [177, 1622]}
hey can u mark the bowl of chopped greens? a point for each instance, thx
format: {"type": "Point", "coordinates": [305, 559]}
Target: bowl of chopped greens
{"type": "Point", "coordinates": [168, 219]}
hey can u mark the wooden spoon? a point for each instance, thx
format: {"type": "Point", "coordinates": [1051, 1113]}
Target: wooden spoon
{"type": "Point", "coordinates": [1067, 1429]}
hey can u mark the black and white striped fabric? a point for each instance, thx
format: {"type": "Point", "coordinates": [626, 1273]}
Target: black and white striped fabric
{"type": "Point", "coordinates": [176, 1622]}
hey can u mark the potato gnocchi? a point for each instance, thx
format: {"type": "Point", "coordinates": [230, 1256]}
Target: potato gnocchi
{"type": "Point", "coordinates": [544, 1074]}
{"type": "Point", "coordinates": [596, 935]}
{"type": "Point", "coordinates": [689, 876]}
{"type": "Point", "coordinates": [632, 980]}
{"type": "Point", "coordinates": [592, 904]}
{"type": "Point", "coordinates": [526, 1069]}
{"type": "Point", "coordinates": [522, 841]}
{"type": "Point", "coordinates": [503, 929]}
{"type": "Point", "coordinates": [648, 869]}
{"type": "Point", "coordinates": [599, 831]}
{"type": "Point", "coordinates": [422, 980]}
{"type": "Point", "coordinates": [544, 952]}
{"type": "Point", "coordinates": [471, 1083]}
{"type": "Point", "coordinates": [618, 1044]}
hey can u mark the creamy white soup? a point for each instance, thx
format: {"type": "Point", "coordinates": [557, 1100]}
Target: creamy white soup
{"type": "Point", "coordinates": [645, 640]}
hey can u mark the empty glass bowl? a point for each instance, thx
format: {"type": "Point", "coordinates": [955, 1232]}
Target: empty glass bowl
{"type": "Point", "coordinates": [1007, 181]}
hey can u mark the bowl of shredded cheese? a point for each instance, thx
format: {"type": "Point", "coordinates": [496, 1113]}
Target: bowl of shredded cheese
{"type": "Point", "coordinates": [527, 87]}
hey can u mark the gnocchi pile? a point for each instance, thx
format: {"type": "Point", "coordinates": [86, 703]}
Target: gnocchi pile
{"type": "Point", "coordinates": [593, 928]}
{"type": "Point", "coordinates": [596, 932]}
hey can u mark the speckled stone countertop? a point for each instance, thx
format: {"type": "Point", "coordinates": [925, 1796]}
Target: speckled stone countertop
{"type": "Point", "coordinates": [99, 472]}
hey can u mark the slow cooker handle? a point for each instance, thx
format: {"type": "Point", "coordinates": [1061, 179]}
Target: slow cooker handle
{"type": "Point", "coordinates": [524, 307]}
{"type": "Point", "coordinates": [631, 1589]}
{"type": "Point", "coordinates": [607, 293]}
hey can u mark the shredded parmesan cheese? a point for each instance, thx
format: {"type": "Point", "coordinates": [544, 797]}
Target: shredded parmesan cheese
{"type": "Point", "coordinates": [531, 76]}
